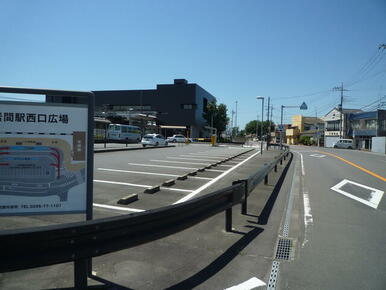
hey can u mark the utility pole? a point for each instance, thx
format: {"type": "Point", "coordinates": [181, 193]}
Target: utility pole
{"type": "Point", "coordinates": [317, 126]}
{"type": "Point", "coordinates": [236, 116]}
{"type": "Point", "coordinates": [341, 89]}
{"type": "Point", "coordinates": [281, 127]}
{"type": "Point", "coordinates": [341, 112]}
{"type": "Point", "coordinates": [233, 112]}
{"type": "Point", "coordinates": [262, 121]}
{"type": "Point", "coordinates": [268, 123]}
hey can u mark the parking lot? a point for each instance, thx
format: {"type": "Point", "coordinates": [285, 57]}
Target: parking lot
{"type": "Point", "coordinates": [123, 173]}
{"type": "Point", "coordinates": [192, 170]}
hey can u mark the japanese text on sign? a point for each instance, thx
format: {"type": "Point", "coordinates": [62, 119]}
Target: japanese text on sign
{"type": "Point", "coordinates": [33, 118]}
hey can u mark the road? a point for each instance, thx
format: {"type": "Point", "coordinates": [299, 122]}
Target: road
{"type": "Point", "coordinates": [335, 237]}
{"type": "Point", "coordinates": [337, 223]}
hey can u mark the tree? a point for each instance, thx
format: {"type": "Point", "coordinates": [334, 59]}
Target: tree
{"type": "Point", "coordinates": [221, 118]}
{"type": "Point", "coordinates": [219, 115]}
{"type": "Point", "coordinates": [250, 127]}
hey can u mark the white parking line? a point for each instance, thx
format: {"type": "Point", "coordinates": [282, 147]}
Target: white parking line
{"type": "Point", "coordinates": [141, 185]}
{"type": "Point", "coordinates": [205, 156]}
{"type": "Point", "coordinates": [151, 173]}
{"type": "Point", "coordinates": [193, 159]}
{"type": "Point", "coordinates": [213, 156]}
{"type": "Point", "coordinates": [117, 207]}
{"type": "Point", "coordinates": [123, 183]}
{"type": "Point", "coordinates": [176, 167]}
{"type": "Point", "coordinates": [197, 191]}
{"type": "Point", "coordinates": [164, 166]}
{"type": "Point", "coordinates": [179, 162]}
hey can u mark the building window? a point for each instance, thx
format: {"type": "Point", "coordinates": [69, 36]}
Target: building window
{"type": "Point", "coordinates": [355, 124]}
{"type": "Point", "coordinates": [188, 106]}
{"type": "Point", "coordinates": [383, 125]}
{"type": "Point", "coordinates": [371, 124]}
{"type": "Point", "coordinates": [332, 126]}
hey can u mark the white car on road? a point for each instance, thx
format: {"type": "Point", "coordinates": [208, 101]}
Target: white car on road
{"type": "Point", "coordinates": [153, 140]}
{"type": "Point", "coordinates": [177, 139]}
{"type": "Point", "coordinates": [344, 143]}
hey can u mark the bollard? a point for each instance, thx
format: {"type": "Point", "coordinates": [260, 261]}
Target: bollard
{"type": "Point", "coordinates": [281, 161]}
{"type": "Point", "coordinates": [276, 168]}
{"type": "Point", "coordinates": [266, 179]}
{"type": "Point", "coordinates": [228, 219]}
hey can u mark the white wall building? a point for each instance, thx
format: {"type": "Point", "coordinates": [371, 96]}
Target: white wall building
{"type": "Point", "coordinates": [332, 125]}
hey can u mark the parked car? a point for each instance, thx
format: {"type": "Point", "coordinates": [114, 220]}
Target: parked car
{"type": "Point", "coordinates": [344, 143]}
{"type": "Point", "coordinates": [153, 140]}
{"type": "Point", "coordinates": [177, 139]}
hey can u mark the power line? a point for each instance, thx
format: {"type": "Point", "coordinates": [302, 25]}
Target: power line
{"type": "Point", "coordinates": [377, 101]}
{"type": "Point", "coordinates": [369, 77]}
{"type": "Point", "coordinates": [369, 66]}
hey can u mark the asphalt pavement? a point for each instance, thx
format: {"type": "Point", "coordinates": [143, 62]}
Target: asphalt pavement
{"type": "Point", "coordinates": [337, 221]}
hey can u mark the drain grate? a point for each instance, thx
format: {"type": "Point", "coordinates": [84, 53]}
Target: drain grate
{"type": "Point", "coordinates": [284, 248]}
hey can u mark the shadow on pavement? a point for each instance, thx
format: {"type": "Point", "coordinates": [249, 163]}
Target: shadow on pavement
{"type": "Point", "coordinates": [266, 212]}
{"type": "Point", "coordinates": [220, 262]}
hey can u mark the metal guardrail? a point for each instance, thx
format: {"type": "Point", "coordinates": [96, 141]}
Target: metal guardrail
{"type": "Point", "coordinates": [29, 248]}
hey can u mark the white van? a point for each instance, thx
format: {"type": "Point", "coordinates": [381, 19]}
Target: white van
{"type": "Point", "coordinates": [124, 133]}
{"type": "Point", "coordinates": [344, 143]}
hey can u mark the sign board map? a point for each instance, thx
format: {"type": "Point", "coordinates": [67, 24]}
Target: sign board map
{"type": "Point", "coordinates": [43, 158]}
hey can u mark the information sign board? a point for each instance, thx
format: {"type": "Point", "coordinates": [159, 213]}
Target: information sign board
{"type": "Point", "coordinates": [43, 158]}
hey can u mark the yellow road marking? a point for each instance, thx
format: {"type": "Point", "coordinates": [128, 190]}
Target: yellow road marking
{"type": "Point", "coordinates": [355, 165]}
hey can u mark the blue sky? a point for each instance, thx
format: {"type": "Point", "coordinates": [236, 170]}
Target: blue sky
{"type": "Point", "coordinates": [236, 50]}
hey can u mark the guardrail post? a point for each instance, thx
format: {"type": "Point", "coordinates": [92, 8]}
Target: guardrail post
{"type": "Point", "coordinates": [244, 204]}
{"type": "Point", "coordinates": [228, 219]}
{"type": "Point", "coordinates": [80, 274]}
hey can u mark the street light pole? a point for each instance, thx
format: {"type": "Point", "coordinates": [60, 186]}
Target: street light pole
{"type": "Point", "coordinates": [281, 126]}
{"type": "Point", "coordinates": [303, 106]}
{"type": "Point", "coordinates": [261, 126]}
